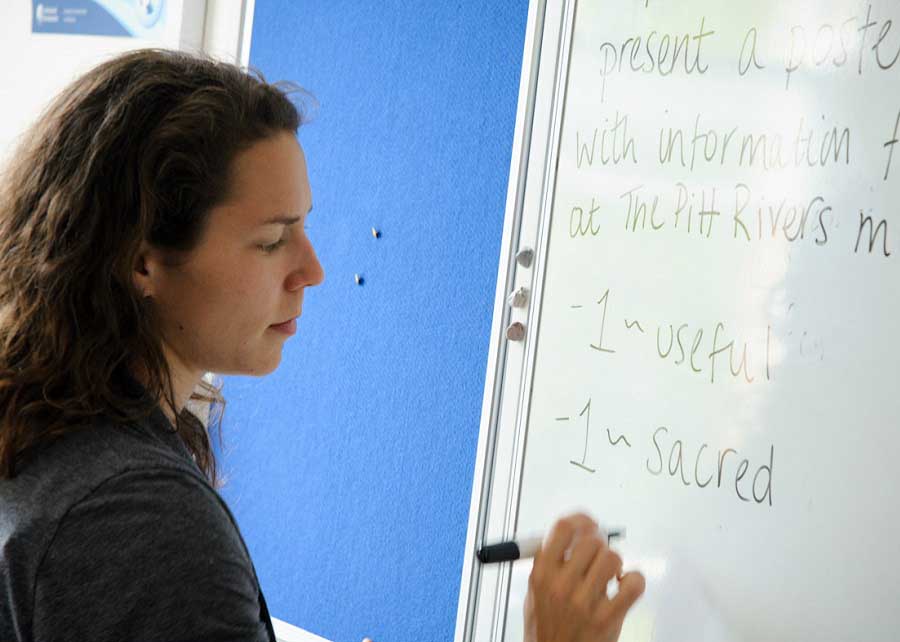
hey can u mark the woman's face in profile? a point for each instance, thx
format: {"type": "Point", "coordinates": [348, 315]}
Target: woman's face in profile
{"type": "Point", "coordinates": [218, 306]}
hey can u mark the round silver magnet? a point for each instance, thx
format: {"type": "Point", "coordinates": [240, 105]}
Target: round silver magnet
{"type": "Point", "coordinates": [515, 332]}
{"type": "Point", "coordinates": [525, 256]}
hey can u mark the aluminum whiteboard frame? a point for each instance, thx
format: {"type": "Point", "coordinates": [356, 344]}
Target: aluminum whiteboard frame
{"type": "Point", "coordinates": [245, 32]}
{"type": "Point", "coordinates": [508, 383]}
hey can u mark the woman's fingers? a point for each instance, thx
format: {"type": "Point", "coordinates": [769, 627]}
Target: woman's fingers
{"type": "Point", "coordinates": [631, 587]}
{"type": "Point", "coordinates": [606, 565]}
{"type": "Point", "coordinates": [562, 535]}
{"type": "Point", "coordinates": [567, 586]}
{"type": "Point", "coordinates": [586, 548]}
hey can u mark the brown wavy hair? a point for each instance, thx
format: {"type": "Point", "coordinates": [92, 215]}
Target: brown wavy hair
{"type": "Point", "coordinates": [139, 148]}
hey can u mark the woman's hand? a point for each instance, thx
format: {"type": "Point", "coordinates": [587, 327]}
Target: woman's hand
{"type": "Point", "coordinates": [567, 599]}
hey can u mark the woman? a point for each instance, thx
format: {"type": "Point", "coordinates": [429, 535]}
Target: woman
{"type": "Point", "coordinates": [151, 231]}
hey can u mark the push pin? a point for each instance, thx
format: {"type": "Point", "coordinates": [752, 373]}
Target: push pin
{"type": "Point", "coordinates": [376, 233]}
{"type": "Point", "coordinates": [525, 256]}
{"type": "Point", "coordinates": [359, 280]}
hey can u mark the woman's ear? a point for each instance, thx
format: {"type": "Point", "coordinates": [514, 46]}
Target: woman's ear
{"type": "Point", "coordinates": [145, 271]}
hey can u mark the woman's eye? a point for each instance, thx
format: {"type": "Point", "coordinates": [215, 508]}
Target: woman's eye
{"type": "Point", "coordinates": [268, 249]}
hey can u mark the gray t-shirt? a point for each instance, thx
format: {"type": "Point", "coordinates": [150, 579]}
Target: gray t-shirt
{"type": "Point", "coordinates": [113, 533]}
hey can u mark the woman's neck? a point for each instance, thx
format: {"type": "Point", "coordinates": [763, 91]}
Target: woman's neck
{"type": "Point", "coordinates": [184, 380]}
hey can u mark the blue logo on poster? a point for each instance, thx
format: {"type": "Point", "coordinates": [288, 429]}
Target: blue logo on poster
{"type": "Point", "coordinates": [149, 11]}
{"type": "Point", "coordinates": [129, 18]}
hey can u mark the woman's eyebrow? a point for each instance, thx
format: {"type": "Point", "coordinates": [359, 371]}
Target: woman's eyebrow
{"type": "Point", "coordinates": [283, 220]}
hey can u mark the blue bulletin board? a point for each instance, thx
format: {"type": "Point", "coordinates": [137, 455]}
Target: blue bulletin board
{"type": "Point", "coordinates": [350, 468]}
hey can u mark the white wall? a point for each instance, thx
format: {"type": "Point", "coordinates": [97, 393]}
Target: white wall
{"type": "Point", "coordinates": [37, 66]}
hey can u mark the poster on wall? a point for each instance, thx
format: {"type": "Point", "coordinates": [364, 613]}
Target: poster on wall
{"type": "Point", "coordinates": [125, 18]}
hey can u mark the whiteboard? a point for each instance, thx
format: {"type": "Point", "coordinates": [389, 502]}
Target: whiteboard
{"type": "Point", "coordinates": [711, 342]}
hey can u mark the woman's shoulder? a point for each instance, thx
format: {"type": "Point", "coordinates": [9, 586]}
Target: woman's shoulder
{"type": "Point", "coordinates": [88, 462]}
{"type": "Point", "coordinates": [78, 461]}
{"type": "Point", "coordinates": [153, 550]}
{"type": "Point", "coordinates": [112, 499]}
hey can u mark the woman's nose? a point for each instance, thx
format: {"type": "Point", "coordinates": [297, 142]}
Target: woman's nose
{"type": "Point", "coordinates": [309, 272]}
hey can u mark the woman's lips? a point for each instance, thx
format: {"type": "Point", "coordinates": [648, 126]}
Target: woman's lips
{"type": "Point", "coordinates": [288, 327]}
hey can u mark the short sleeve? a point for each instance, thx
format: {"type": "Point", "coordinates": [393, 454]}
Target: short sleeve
{"type": "Point", "coordinates": [150, 555]}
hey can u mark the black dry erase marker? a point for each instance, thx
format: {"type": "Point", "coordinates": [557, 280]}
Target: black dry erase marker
{"type": "Point", "coordinates": [523, 548]}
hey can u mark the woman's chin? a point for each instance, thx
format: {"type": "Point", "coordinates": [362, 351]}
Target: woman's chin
{"type": "Point", "coordinates": [256, 368]}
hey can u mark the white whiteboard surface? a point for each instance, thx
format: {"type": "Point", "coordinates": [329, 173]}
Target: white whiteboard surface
{"type": "Point", "coordinates": [686, 318]}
